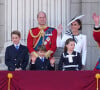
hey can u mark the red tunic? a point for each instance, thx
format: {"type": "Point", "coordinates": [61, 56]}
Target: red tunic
{"type": "Point", "coordinates": [95, 66]}
{"type": "Point", "coordinates": [96, 36]}
{"type": "Point", "coordinates": [50, 42]}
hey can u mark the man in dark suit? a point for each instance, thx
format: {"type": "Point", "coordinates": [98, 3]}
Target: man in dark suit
{"type": "Point", "coordinates": [16, 55]}
{"type": "Point", "coordinates": [41, 63]}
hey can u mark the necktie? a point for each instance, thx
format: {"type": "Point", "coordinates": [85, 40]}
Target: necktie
{"type": "Point", "coordinates": [42, 59]}
{"type": "Point", "coordinates": [17, 47]}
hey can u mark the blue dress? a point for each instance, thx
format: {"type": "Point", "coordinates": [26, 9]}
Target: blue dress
{"type": "Point", "coordinates": [70, 62]}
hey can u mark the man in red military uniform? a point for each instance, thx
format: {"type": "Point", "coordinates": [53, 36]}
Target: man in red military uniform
{"type": "Point", "coordinates": [42, 35]}
{"type": "Point", "coordinates": [96, 36]}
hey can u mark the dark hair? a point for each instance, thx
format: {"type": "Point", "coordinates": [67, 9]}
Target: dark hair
{"type": "Point", "coordinates": [80, 23]}
{"type": "Point", "coordinates": [41, 48]}
{"type": "Point", "coordinates": [67, 42]}
{"type": "Point", "coordinates": [16, 32]}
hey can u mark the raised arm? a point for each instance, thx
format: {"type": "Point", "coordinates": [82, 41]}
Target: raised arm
{"type": "Point", "coordinates": [96, 31]}
{"type": "Point", "coordinates": [59, 31]}
{"type": "Point", "coordinates": [96, 19]}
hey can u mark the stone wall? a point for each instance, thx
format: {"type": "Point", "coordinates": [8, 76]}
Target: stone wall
{"type": "Point", "coordinates": [77, 7]}
{"type": "Point", "coordinates": [86, 7]}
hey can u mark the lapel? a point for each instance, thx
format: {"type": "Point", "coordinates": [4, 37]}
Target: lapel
{"type": "Point", "coordinates": [15, 47]}
{"type": "Point", "coordinates": [17, 52]}
{"type": "Point", "coordinates": [46, 61]}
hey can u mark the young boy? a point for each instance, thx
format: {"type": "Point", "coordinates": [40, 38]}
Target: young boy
{"type": "Point", "coordinates": [16, 55]}
{"type": "Point", "coordinates": [41, 63]}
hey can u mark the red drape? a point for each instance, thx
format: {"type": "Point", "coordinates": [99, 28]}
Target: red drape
{"type": "Point", "coordinates": [49, 80]}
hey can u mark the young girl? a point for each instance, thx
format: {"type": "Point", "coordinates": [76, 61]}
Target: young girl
{"type": "Point", "coordinates": [70, 59]}
{"type": "Point", "coordinates": [74, 33]}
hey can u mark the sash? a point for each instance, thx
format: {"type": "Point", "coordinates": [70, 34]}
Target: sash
{"type": "Point", "coordinates": [44, 40]}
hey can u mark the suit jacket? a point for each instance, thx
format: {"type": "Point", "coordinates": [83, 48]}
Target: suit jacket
{"type": "Point", "coordinates": [40, 65]}
{"type": "Point", "coordinates": [16, 58]}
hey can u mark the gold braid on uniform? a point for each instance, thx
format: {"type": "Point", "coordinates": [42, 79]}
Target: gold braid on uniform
{"type": "Point", "coordinates": [48, 54]}
{"type": "Point", "coordinates": [34, 36]}
{"type": "Point", "coordinates": [41, 33]}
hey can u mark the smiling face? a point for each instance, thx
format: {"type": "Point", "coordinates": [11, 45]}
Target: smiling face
{"type": "Point", "coordinates": [41, 18]}
{"type": "Point", "coordinates": [15, 38]}
{"type": "Point", "coordinates": [75, 26]}
{"type": "Point", "coordinates": [70, 46]}
{"type": "Point", "coordinates": [41, 53]}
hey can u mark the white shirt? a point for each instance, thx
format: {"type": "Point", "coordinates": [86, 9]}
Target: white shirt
{"type": "Point", "coordinates": [17, 45]}
{"type": "Point", "coordinates": [80, 46]}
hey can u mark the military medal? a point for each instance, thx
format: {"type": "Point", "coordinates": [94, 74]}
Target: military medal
{"type": "Point", "coordinates": [48, 39]}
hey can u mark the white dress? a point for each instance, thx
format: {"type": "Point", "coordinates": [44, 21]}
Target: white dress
{"type": "Point", "coordinates": [80, 45]}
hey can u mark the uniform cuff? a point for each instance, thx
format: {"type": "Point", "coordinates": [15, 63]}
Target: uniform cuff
{"type": "Point", "coordinates": [48, 53]}
{"type": "Point", "coordinates": [34, 53]}
{"type": "Point", "coordinates": [96, 27]}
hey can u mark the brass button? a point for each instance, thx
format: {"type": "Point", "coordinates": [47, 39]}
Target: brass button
{"type": "Point", "coordinates": [15, 59]}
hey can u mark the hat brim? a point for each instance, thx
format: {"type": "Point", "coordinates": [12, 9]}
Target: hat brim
{"type": "Point", "coordinates": [78, 17]}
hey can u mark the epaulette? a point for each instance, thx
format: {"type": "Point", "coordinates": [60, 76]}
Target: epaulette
{"type": "Point", "coordinates": [34, 36]}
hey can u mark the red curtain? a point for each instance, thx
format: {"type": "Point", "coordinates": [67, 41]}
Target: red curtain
{"type": "Point", "coordinates": [49, 80]}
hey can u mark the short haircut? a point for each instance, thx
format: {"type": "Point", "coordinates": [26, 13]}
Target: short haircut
{"type": "Point", "coordinates": [16, 32]}
{"type": "Point", "coordinates": [41, 12]}
{"type": "Point", "coordinates": [41, 48]}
